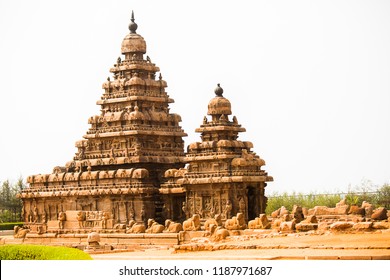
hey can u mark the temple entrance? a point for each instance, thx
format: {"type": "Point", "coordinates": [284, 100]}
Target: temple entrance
{"type": "Point", "coordinates": [177, 208]}
{"type": "Point", "coordinates": [252, 207]}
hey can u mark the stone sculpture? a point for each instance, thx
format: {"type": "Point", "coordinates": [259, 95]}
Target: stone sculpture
{"type": "Point", "coordinates": [236, 223]}
{"type": "Point", "coordinates": [261, 222]}
{"type": "Point", "coordinates": [172, 227]}
{"type": "Point", "coordinates": [192, 224]}
{"type": "Point", "coordinates": [20, 232]}
{"type": "Point", "coordinates": [154, 227]}
{"type": "Point", "coordinates": [218, 233]}
{"type": "Point", "coordinates": [61, 220]}
{"type": "Point", "coordinates": [217, 221]}
{"type": "Point", "coordinates": [136, 227]}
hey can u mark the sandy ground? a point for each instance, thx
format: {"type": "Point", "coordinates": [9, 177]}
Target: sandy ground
{"type": "Point", "coordinates": [357, 246]}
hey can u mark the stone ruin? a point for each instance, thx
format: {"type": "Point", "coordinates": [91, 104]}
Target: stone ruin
{"type": "Point", "coordinates": [130, 167]}
{"type": "Point", "coordinates": [343, 217]}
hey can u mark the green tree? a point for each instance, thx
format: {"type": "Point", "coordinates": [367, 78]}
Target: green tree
{"type": "Point", "coordinates": [10, 204]}
{"type": "Point", "coordinates": [383, 196]}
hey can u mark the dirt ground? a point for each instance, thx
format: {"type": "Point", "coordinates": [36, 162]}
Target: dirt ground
{"type": "Point", "coordinates": [332, 246]}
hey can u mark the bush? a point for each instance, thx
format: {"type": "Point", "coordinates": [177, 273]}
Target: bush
{"type": "Point", "coordinates": [38, 252]}
{"type": "Point", "coordinates": [383, 197]}
{"type": "Point", "coordinates": [10, 226]}
{"type": "Point", "coordinates": [309, 201]}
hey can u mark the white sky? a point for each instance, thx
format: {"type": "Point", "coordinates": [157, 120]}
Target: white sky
{"type": "Point", "coordinates": [309, 80]}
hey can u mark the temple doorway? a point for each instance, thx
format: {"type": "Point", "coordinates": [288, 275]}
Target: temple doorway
{"type": "Point", "coordinates": [252, 209]}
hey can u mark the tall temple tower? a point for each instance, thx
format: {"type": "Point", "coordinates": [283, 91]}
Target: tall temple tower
{"type": "Point", "coordinates": [131, 165]}
{"type": "Point", "coordinates": [224, 176]}
{"type": "Point", "coordinates": [115, 175]}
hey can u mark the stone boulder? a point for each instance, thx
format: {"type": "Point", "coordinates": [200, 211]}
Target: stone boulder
{"type": "Point", "coordinates": [283, 211]}
{"type": "Point", "coordinates": [379, 214]}
{"type": "Point", "coordinates": [381, 225]}
{"type": "Point", "coordinates": [341, 226]}
{"type": "Point", "coordinates": [368, 209]}
{"type": "Point", "coordinates": [305, 227]}
{"type": "Point", "coordinates": [363, 226]}
{"type": "Point", "coordinates": [320, 211]}
{"type": "Point", "coordinates": [341, 210]}
{"type": "Point", "coordinates": [297, 213]}
{"type": "Point", "coordinates": [275, 214]}
{"type": "Point", "coordinates": [323, 226]}
{"type": "Point", "coordinates": [286, 217]}
{"type": "Point", "coordinates": [356, 210]}
{"type": "Point", "coordinates": [312, 219]}
{"type": "Point", "coordinates": [287, 226]}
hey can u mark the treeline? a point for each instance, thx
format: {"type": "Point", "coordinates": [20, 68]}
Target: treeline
{"type": "Point", "coordinates": [378, 198]}
{"type": "Point", "coordinates": [10, 205]}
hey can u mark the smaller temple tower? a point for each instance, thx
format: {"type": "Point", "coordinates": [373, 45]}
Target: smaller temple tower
{"type": "Point", "coordinates": [223, 175]}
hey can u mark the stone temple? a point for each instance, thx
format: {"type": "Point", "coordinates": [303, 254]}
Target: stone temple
{"type": "Point", "coordinates": [131, 163]}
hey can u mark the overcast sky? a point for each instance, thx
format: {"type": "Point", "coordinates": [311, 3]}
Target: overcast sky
{"type": "Point", "coordinates": [309, 80]}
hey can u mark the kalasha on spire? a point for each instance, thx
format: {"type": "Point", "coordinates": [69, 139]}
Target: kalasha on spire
{"type": "Point", "coordinates": [133, 26]}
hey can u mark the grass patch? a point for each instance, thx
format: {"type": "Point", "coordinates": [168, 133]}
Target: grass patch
{"type": "Point", "coordinates": [39, 252]}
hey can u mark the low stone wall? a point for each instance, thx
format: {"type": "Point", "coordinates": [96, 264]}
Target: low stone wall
{"type": "Point", "coordinates": [116, 240]}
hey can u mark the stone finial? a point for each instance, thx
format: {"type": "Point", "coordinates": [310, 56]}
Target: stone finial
{"type": "Point", "coordinates": [133, 26]}
{"type": "Point", "coordinates": [218, 90]}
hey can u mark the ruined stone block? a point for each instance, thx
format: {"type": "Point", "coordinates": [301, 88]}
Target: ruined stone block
{"type": "Point", "coordinates": [287, 226]}
{"type": "Point", "coordinates": [363, 226]}
{"type": "Point", "coordinates": [341, 226]}
{"type": "Point", "coordinates": [379, 214]}
{"type": "Point", "coordinates": [306, 227]}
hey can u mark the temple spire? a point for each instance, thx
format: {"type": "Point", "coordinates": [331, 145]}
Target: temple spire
{"type": "Point", "coordinates": [132, 26]}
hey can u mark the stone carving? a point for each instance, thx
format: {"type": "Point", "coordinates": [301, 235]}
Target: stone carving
{"type": "Point", "coordinates": [171, 226]}
{"type": "Point", "coordinates": [105, 218]}
{"type": "Point", "coordinates": [81, 218]}
{"type": "Point", "coordinates": [20, 232]}
{"type": "Point", "coordinates": [217, 221]}
{"type": "Point", "coordinates": [228, 209]}
{"type": "Point", "coordinates": [154, 227]}
{"type": "Point", "coordinates": [218, 233]}
{"type": "Point", "coordinates": [93, 240]}
{"type": "Point", "coordinates": [261, 222]}
{"type": "Point", "coordinates": [61, 220]}
{"type": "Point", "coordinates": [136, 227]}
{"type": "Point", "coordinates": [192, 224]}
{"type": "Point", "coordinates": [35, 215]}
{"type": "Point", "coordinates": [236, 223]}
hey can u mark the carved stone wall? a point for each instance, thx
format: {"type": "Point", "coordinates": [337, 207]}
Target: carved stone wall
{"type": "Point", "coordinates": [130, 163]}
